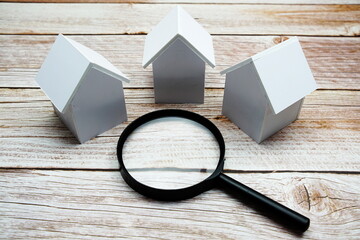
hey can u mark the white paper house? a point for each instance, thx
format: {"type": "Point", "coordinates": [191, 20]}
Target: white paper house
{"type": "Point", "coordinates": [85, 89]}
{"type": "Point", "coordinates": [264, 93]}
{"type": "Point", "coordinates": [178, 48]}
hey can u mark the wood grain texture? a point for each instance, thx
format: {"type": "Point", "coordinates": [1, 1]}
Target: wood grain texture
{"type": "Point", "coordinates": [95, 204]}
{"type": "Point", "coordinates": [287, 2]}
{"type": "Point", "coordinates": [326, 133]}
{"type": "Point", "coordinates": [333, 61]}
{"type": "Point", "coordinates": [53, 187]}
{"type": "Point", "coordinates": [333, 20]}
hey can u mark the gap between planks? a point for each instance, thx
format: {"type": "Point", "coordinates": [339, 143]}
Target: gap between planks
{"type": "Point", "coordinates": [230, 171]}
{"type": "Point", "coordinates": [333, 20]}
{"type": "Point", "coordinates": [334, 61]}
{"type": "Point", "coordinates": [217, 2]}
{"type": "Point", "coordinates": [323, 97]}
{"type": "Point", "coordinates": [73, 204]}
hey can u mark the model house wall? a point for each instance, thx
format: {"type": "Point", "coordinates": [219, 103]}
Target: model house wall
{"type": "Point", "coordinates": [264, 93]}
{"type": "Point", "coordinates": [180, 79]}
{"type": "Point", "coordinates": [98, 105]}
{"type": "Point", "coordinates": [244, 100]}
{"type": "Point", "coordinates": [178, 48]}
{"type": "Point", "coordinates": [85, 89]}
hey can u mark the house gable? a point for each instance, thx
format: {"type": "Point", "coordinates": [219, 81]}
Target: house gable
{"type": "Point", "coordinates": [180, 79]}
{"type": "Point", "coordinates": [98, 105]}
{"type": "Point", "coordinates": [244, 100]}
{"type": "Point", "coordinates": [178, 24]}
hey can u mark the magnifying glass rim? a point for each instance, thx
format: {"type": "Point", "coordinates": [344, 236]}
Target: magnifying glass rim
{"type": "Point", "coordinates": [171, 194]}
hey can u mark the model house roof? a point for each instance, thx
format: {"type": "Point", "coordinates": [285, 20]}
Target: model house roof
{"type": "Point", "coordinates": [178, 24]}
{"type": "Point", "coordinates": [283, 72]}
{"type": "Point", "coordinates": [65, 68]}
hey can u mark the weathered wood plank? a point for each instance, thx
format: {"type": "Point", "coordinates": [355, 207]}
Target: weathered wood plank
{"type": "Point", "coordinates": [288, 2]}
{"type": "Point", "coordinates": [326, 133]}
{"type": "Point", "coordinates": [334, 61]}
{"type": "Point", "coordinates": [76, 204]}
{"type": "Point", "coordinates": [26, 107]}
{"type": "Point", "coordinates": [298, 148]}
{"type": "Point", "coordinates": [39, 117]}
{"type": "Point", "coordinates": [95, 204]}
{"type": "Point", "coordinates": [136, 96]}
{"type": "Point", "coordinates": [334, 20]}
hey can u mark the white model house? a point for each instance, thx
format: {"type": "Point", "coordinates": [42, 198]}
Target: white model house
{"type": "Point", "coordinates": [264, 93]}
{"type": "Point", "coordinates": [85, 89]}
{"type": "Point", "coordinates": [178, 48]}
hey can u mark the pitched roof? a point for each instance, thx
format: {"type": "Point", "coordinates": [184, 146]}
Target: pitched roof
{"type": "Point", "coordinates": [65, 67]}
{"type": "Point", "coordinates": [102, 63]}
{"type": "Point", "coordinates": [178, 24]}
{"type": "Point", "coordinates": [283, 72]}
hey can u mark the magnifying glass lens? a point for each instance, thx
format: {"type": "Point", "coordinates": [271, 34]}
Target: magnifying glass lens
{"type": "Point", "coordinates": [183, 152]}
{"type": "Point", "coordinates": [171, 153]}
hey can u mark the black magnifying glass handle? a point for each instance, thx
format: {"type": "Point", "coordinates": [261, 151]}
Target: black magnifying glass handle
{"type": "Point", "coordinates": [283, 214]}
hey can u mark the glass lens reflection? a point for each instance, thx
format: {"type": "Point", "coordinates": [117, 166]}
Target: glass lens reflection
{"type": "Point", "coordinates": [171, 153]}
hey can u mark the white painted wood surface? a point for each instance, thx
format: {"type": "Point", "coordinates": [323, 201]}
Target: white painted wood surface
{"type": "Point", "coordinates": [286, 2]}
{"type": "Point", "coordinates": [254, 19]}
{"type": "Point", "coordinates": [99, 205]}
{"type": "Point", "coordinates": [312, 166]}
{"type": "Point", "coordinates": [339, 72]}
{"type": "Point", "coordinates": [328, 125]}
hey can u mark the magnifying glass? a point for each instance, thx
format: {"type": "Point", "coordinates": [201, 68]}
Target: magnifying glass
{"type": "Point", "coordinates": [173, 155]}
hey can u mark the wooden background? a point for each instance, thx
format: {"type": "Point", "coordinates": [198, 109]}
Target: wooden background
{"type": "Point", "coordinates": [53, 187]}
